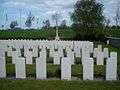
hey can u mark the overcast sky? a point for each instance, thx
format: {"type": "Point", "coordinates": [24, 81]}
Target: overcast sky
{"type": "Point", "coordinates": [44, 9]}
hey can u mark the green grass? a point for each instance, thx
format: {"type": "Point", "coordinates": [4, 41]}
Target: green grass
{"type": "Point", "coordinates": [10, 84]}
{"type": "Point", "coordinates": [47, 34]}
{"type": "Point", "coordinates": [26, 34]}
{"type": "Point", "coordinates": [52, 70]}
{"type": "Point", "coordinates": [35, 34]}
{"type": "Point", "coordinates": [112, 33]}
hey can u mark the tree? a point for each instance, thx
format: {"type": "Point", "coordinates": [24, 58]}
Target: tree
{"type": "Point", "coordinates": [107, 22]}
{"type": "Point", "coordinates": [87, 15]}
{"type": "Point", "coordinates": [63, 24]}
{"type": "Point", "coordinates": [2, 26]}
{"type": "Point", "coordinates": [88, 19]}
{"type": "Point", "coordinates": [29, 20]}
{"type": "Point", "coordinates": [55, 18]}
{"type": "Point", "coordinates": [37, 23]}
{"type": "Point", "coordinates": [13, 24]}
{"type": "Point", "coordinates": [46, 24]}
{"type": "Point", "coordinates": [117, 17]}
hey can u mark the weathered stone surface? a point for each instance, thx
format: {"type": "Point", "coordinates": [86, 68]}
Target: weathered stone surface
{"type": "Point", "coordinates": [106, 53]}
{"type": "Point", "coordinates": [56, 58]}
{"type": "Point", "coordinates": [88, 69]}
{"type": "Point", "coordinates": [41, 72]}
{"type": "Point", "coordinates": [100, 58]}
{"type": "Point", "coordinates": [2, 67]}
{"type": "Point", "coordinates": [66, 68]}
{"type": "Point", "coordinates": [29, 56]}
{"type": "Point", "coordinates": [111, 67]}
{"type": "Point", "coordinates": [20, 69]}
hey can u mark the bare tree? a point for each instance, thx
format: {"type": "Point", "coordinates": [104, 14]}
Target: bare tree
{"type": "Point", "coordinates": [20, 11]}
{"type": "Point", "coordinates": [107, 22]}
{"type": "Point", "coordinates": [13, 24]}
{"type": "Point", "coordinates": [117, 16]}
{"type": "Point", "coordinates": [29, 20]}
{"type": "Point", "coordinates": [55, 18]}
{"type": "Point", "coordinates": [37, 23]}
{"type": "Point", "coordinates": [63, 24]}
{"type": "Point", "coordinates": [46, 24]}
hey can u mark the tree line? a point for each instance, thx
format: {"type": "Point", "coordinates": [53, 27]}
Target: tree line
{"type": "Point", "coordinates": [46, 23]}
{"type": "Point", "coordinates": [87, 20]}
{"type": "Point", "coordinates": [87, 15]}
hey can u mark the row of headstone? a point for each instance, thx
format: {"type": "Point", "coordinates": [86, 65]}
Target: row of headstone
{"type": "Point", "coordinates": [68, 47]}
{"type": "Point", "coordinates": [41, 70]}
{"type": "Point", "coordinates": [73, 49]}
{"type": "Point", "coordinates": [82, 49]}
{"type": "Point", "coordinates": [48, 44]}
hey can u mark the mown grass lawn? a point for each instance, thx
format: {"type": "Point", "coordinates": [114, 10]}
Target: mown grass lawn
{"type": "Point", "coordinates": [54, 71]}
{"type": "Point", "coordinates": [35, 34]}
{"type": "Point", "coordinates": [48, 34]}
{"type": "Point", "coordinates": [12, 84]}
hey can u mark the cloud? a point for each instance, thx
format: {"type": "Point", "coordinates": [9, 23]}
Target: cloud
{"type": "Point", "coordinates": [44, 9]}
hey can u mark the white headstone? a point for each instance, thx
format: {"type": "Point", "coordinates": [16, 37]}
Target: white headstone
{"type": "Point", "coordinates": [56, 58]}
{"type": "Point", "coordinates": [60, 51]}
{"type": "Point", "coordinates": [3, 45]}
{"type": "Point", "coordinates": [15, 54]}
{"type": "Point", "coordinates": [114, 55]}
{"type": "Point", "coordinates": [95, 52]}
{"type": "Point", "coordinates": [91, 45]}
{"type": "Point", "coordinates": [41, 72]}
{"type": "Point", "coordinates": [28, 57]}
{"type": "Point", "coordinates": [100, 58]}
{"type": "Point", "coordinates": [108, 42]}
{"type": "Point", "coordinates": [51, 52]}
{"type": "Point", "coordinates": [20, 69]}
{"type": "Point", "coordinates": [2, 67]}
{"type": "Point", "coordinates": [35, 51]}
{"type": "Point", "coordinates": [66, 69]}
{"type": "Point", "coordinates": [43, 53]}
{"type": "Point", "coordinates": [77, 52]}
{"type": "Point", "coordinates": [100, 48]}
{"type": "Point", "coordinates": [106, 53]}
{"type": "Point", "coordinates": [85, 54]}
{"type": "Point", "coordinates": [9, 51]}
{"type": "Point", "coordinates": [71, 55]}
{"type": "Point", "coordinates": [111, 69]}
{"type": "Point", "coordinates": [88, 69]}
{"type": "Point", "coordinates": [2, 53]}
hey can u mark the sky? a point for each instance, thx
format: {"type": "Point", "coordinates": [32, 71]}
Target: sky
{"type": "Point", "coordinates": [44, 9]}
